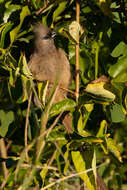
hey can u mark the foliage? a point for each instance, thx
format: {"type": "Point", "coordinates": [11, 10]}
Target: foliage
{"type": "Point", "coordinates": [99, 117]}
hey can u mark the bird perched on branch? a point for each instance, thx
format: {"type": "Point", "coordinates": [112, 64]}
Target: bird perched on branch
{"type": "Point", "coordinates": [49, 63]}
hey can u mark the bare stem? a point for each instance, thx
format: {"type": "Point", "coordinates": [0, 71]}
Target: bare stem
{"type": "Point", "coordinates": [27, 123]}
{"type": "Point", "coordinates": [77, 52]}
{"type": "Point", "coordinates": [3, 152]}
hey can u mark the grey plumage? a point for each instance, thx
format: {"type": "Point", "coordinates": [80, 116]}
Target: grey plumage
{"type": "Point", "coordinates": [49, 63]}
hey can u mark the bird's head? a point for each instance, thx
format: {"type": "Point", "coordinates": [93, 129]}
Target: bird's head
{"type": "Point", "coordinates": [44, 38]}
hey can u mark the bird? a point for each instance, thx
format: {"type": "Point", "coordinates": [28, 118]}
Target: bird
{"type": "Point", "coordinates": [48, 63]}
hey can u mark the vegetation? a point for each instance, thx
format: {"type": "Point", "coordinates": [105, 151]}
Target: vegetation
{"type": "Point", "coordinates": [64, 161]}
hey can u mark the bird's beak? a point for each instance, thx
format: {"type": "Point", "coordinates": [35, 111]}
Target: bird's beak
{"type": "Point", "coordinates": [53, 34]}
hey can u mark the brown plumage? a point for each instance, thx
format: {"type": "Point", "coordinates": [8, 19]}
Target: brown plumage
{"type": "Point", "coordinates": [49, 63]}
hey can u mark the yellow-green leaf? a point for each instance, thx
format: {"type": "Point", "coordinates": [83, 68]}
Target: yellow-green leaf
{"type": "Point", "coordinates": [59, 10]}
{"type": "Point", "coordinates": [113, 148]}
{"type": "Point", "coordinates": [5, 119]}
{"type": "Point", "coordinates": [64, 105]}
{"type": "Point", "coordinates": [102, 129]}
{"type": "Point", "coordinates": [42, 91]}
{"type": "Point", "coordinates": [74, 29]}
{"type": "Point", "coordinates": [25, 12]}
{"type": "Point", "coordinates": [80, 128]}
{"type": "Point", "coordinates": [80, 166]}
{"type": "Point", "coordinates": [99, 90]}
{"type": "Point", "coordinates": [94, 166]}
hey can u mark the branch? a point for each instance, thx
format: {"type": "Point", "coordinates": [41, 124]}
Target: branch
{"type": "Point", "coordinates": [77, 52]}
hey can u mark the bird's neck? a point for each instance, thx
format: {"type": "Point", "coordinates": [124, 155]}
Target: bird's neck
{"type": "Point", "coordinates": [45, 48]}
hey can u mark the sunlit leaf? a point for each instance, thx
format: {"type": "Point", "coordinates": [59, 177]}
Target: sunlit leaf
{"type": "Point", "coordinates": [25, 75]}
{"type": "Point", "coordinates": [80, 127]}
{"type": "Point", "coordinates": [5, 28]}
{"type": "Point", "coordinates": [6, 119]}
{"type": "Point", "coordinates": [121, 77]}
{"type": "Point", "coordinates": [10, 8]}
{"type": "Point", "coordinates": [80, 166]}
{"type": "Point", "coordinates": [66, 157]}
{"type": "Point", "coordinates": [99, 90]}
{"type": "Point", "coordinates": [12, 77]}
{"type": "Point", "coordinates": [25, 12]}
{"type": "Point", "coordinates": [74, 29]}
{"type": "Point", "coordinates": [94, 166]}
{"type": "Point", "coordinates": [120, 49]}
{"type": "Point", "coordinates": [113, 148]}
{"type": "Point", "coordinates": [102, 129]}
{"type": "Point", "coordinates": [42, 91]}
{"type": "Point", "coordinates": [24, 69]}
{"type": "Point", "coordinates": [43, 173]}
{"type": "Point", "coordinates": [119, 67]}
{"type": "Point", "coordinates": [64, 105]}
{"type": "Point", "coordinates": [59, 10]}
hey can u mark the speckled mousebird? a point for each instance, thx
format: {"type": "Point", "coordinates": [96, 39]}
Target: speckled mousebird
{"type": "Point", "coordinates": [49, 63]}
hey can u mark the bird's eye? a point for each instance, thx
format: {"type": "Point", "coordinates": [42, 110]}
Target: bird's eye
{"type": "Point", "coordinates": [47, 36]}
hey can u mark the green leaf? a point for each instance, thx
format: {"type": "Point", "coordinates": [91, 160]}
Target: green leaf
{"type": "Point", "coordinates": [42, 91]}
{"type": "Point", "coordinates": [94, 166]}
{"type": "Point", "coordinates": [122, 77]}
{"type": "Point", "coordinates": [59, 10]}
{"type": "Point", "coordinates": [24, 69]}
{"type": "Point", "coordinates": [80, 166]}
{"type": "Point", "coordinates": [66, 157]}
{"type": "Point", "coordinates": [43, 173]}
{"type": "Point", "coordinates": [102, 129]}
{"type": "Point", "coordinates": [86, 10]}
{"type": "Point", "coordinates": [5, 28]}
{"type": "Point", "coordinates": [12, 77]}
{"type": "Point", "coordinates": [6, 119]}
{"type": "Point", "coordinates": [120, 49]}
{"type": "Point", "coordinates": [124, 100]}
{"type": "Point", "coordinates": [25, 75]}
{"type": "Point", "coordinates": [25, 12]}
{"type": "Point", "coordinates": [117, 114]}
{"type": "Point", "coordinates": [80, 127]}
{"type": "Point", "coordinates": [113, 148]}
{"type": "Point", "coordinates": [10, 8]}
{"type": "Point", "coordinates": [100, 90]}
{"type": "Point", "coordinates": [34, 3]}
{"type": "Point", "coordinates": [119, 67]}
{"type": "Point", "coordinates": [64, 105]}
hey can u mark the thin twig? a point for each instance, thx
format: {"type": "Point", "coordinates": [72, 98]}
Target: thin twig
{"type": "Point", "coordinates": [43, 8]}
{"type": "Point", "coordinates": [71, 176]}
{"type": "Point", "coordinates": [53, 125]}
{"type": "Point", "coordinates": [39, 167]}
{"type": "Point", "coordinates": [9, 144]}
{"type": "Point", "coordinates": [96, 61]}
{"type": "Point", "coordinates": [67, 90]}
{"type": "Point", "coordinates": [27, 123]}
{"type": "Point", "coordinates": [77, 52]}
{"type": "Point", "coordinates": [3, 152]}
{"type": "Point", "coordinates": [65, 178]}
{"type": "Point", "coordinates": [4, 182]}
{"type": "Point", "coordinates": [52, 159]}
